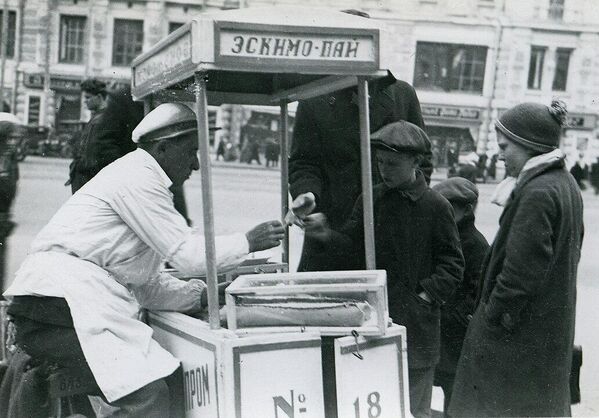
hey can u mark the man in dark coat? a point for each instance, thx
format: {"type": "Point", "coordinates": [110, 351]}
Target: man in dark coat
{"type": "Point", "coordinates": [516, 358]}
{"type": "Point", "coordinates": [416, 242]}
{"type": "Point", "coordinates": [9, 176]}
{"type": "Point", "coordinates": [455, 314]}
{"type": "Point", "coordinates": [325, 156]}
{"type": "Point", "coordinates": [107, 136]}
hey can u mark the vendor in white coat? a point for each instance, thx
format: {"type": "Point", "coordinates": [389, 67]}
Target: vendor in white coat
{"type": "Point", "coordinates": [76, 298]}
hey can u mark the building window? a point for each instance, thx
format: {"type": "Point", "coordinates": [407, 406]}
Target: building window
{"type": "Point", "coordinates": [72, 39]}
{"type": "Point", "coordinates": [173, 26]}
{"type": "Point", "coordinates": [450, 67]}
{"type": "Point", "coordinates": [562, 62]}
{"type": "Point", "coordinates": [12, 25]}
{"type": "Point", "coordinates": [556, 9]}
{"type": "Point", "coordinates": [33, 112]}
{"type": "Point", "coordinates": [535, 71]}
{"type": "Point", "coordinates": [127, 42]}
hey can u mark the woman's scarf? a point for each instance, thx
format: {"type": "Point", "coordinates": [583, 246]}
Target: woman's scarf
{"type": "Point", "coordinates": [503, 192]}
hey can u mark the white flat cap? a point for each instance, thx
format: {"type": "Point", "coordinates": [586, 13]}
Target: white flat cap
{"type": "Point", "coordinates": [168, 120]}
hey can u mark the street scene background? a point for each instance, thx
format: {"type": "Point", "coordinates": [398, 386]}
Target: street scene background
{"type": "Point", "coordinates": [247, 194]}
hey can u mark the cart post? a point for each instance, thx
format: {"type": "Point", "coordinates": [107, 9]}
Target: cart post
{"type": "Point", "coordinates": [202, 121]}
{"type": "Point", "coordinates": [284, 133]}
{"type": "Point", "coordinates": [366, 173]}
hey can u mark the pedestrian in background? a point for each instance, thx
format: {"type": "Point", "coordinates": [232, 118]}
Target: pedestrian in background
{"type": "Point", "coordinates": [417, 243]}
{"type": "Point", "coordinates": [271, 153]}
{"type": "Point", "coordinates": [516, 358]}
{"type": "Point", "coordinates": [9, 176]}
{"type": "Point", "coordinates": [456, 313]}
{"type": "Point", "coordinates": [84, 164]}
{"type": "Point", "coordinates": [580, 172]}
{"type": "Point", "coordinates": [594, 176]}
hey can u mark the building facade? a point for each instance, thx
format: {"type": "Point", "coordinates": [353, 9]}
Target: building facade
{"type": "Point", "coordinates": [54, 44]}
{"type": "Point", "coordinates": [470, 60]}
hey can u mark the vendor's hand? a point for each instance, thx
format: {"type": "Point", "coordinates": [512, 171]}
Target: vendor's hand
{"type": "Point", "coordinates": [303, 205]}
{"type": "Point", "coordinates": [221, 294]}
{"type": "Point", "coordinates": [316, 226]}
{"type": "Point", "coordinates": [266, 235]}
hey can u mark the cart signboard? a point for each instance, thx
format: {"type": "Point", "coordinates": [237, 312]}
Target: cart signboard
{"type": "Point", "coordinates": [265, 46]}
{"type": "Point", "coordinates": [372, 375]}
{"type": "Point", "coordinates": [241, 46]}
{"type": "Point", "coordinates": [270, 376]}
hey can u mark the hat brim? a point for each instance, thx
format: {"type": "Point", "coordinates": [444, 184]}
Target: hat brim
{"type": "Point", "coordinates": [380, 145]}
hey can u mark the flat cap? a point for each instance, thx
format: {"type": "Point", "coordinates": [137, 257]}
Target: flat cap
{"type": "Point", "coordinates": [457, 189]}
{"type": "Point", "coordinates": [168, 120]}
{"type": "Point", "coordinates": [401, 136]}
{"type": "Point", "coordinates": [93, 86]}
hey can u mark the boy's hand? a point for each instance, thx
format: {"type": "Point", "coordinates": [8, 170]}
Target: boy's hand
{"type": "Point", "coordinates": [316, 226]}
{"type": "Point", "coordinates": [425, 297]}
{"type": "Point", "coordinates": [302, 206]}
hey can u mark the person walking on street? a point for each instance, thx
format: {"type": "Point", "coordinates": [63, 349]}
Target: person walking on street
{"type": "Point", "coordinates": [9, 176]}
{"type": "Point", "coordinates": [456, 313]}
{"type": "Point", "coordinates": [516, 358]}
{"type": "Point", "coordinates": [89, 149]}
{"type": "Point", "coordinates": [580, 172]}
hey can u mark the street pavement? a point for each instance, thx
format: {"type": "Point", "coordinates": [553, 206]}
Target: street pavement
{"type": "Point", "coordinates": [245, 195]}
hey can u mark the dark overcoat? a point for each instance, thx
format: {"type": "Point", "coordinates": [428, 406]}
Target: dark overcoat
{"type": "Point", "coordinates": [325, 155]}
{"type": "Point", "coordinates": [456, 313]}
{"type": "Point", "coordinates": [101, 142]}
{"type": "Point", "coordinates": [518, 348]}
{"type": "Point", "coordinates": [417, 243]}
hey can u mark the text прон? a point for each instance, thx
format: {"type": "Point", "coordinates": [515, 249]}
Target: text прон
{"type": "Point", "coordinates": [285, 47]}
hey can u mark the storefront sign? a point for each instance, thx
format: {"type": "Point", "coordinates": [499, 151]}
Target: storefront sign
{"type": "Point", "coordinates": [169, 59]}
{"type": "Point", "coordinates": [56, 83]}
{"type": "Point", "coordinates": [578, 121]}
{"type": "Point", "coordinates": [448, 112]}
{"type": "Point", "coordinates": [36, 81]}
{"type": "Point", "coordinates": [262, 46]}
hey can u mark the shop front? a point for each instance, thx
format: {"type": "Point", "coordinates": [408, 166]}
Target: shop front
{"type": "Point", "coordinates": [452, 130]}
{"type": "Point", "coordinates": [580, 141]}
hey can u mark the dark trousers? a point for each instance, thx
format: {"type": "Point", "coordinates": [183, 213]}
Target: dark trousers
{"type": "Point", "coordinates": [421, 391]}
{"type": "Point", "coordinates": [59, 345]}
{"type": "Point", "coordinates": [445, 381]}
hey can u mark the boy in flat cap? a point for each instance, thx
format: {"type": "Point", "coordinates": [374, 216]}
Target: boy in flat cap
{"type": "Point", "coordinates": [455, 314]}
{"type": "Point", "coordinates": [416, 241]}
{"type": "Point", "coordinates": [76, 297]}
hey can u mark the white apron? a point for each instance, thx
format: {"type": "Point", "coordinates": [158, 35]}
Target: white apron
{"type": "Point", "coordinates": [118, 347]}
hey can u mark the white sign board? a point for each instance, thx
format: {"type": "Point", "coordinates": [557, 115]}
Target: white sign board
{"type": "Point", "coordinates": [260, 46]}
{"type": "Point", "coordinates": [375, 385]}
{"type": "Point", "coordinates": [199, 364]}
{"type": "Point", "coordinates": [282, 380]}
{"type": "Point", "coordinates": [171, 58]}
{"type": "Point", "coordinates": [308, 47]}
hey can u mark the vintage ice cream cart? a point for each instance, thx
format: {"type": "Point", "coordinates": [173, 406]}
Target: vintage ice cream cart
{"type": "Point", "coordinates": [266, 365]}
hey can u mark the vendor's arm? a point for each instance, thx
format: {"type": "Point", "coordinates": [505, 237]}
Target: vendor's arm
{"type": "Point", "coordinates": [149, 211]}
{"type": "Point", "coordinates": [529, 255]}
{"type": "Point", "coordinates": [447, 256]}
{"type": "Point", "coordinates": [305, 158]}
